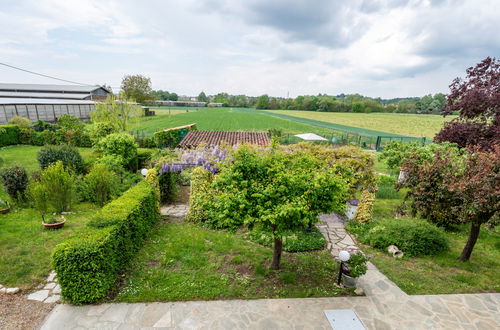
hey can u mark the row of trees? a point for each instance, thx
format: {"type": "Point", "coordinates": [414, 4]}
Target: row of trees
{"type": "Point", "coordinates": [138, 88]}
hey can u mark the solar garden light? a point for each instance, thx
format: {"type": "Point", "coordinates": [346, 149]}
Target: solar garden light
{"type": "Point", "coordinates": [344, 256]}
{"type": "Point", "coordinates": [144, 171]}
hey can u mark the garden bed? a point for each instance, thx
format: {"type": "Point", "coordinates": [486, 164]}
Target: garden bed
{"type": "Point", "coordinates": [182, 261]}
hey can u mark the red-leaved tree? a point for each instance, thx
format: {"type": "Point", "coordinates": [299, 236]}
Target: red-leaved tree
{"type": "Point", "coordinates": [477, 98]}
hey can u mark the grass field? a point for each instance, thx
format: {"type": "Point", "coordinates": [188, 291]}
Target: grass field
{"type": "Point", "coordinates": [182, 261]}
{"type": "Point", "coordinates": [225, 119]}
{"type": "Point", "coordinates": [397, 123]}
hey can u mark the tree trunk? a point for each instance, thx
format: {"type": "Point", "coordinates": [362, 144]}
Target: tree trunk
{"type": "Point", "coordinates": [278, 247]}
{"type": "Point", "coordinates": [473, 235]}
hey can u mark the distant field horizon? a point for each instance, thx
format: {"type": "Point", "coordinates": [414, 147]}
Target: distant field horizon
{"type": "Point", "coordinates": [417, 125]}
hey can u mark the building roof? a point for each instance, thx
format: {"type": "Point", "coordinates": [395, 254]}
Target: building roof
{"type": "Point", "coordinates": [310, 137]}
{"type": "Point", "coordinates": [74, 96]}
{"type": "Point", "coordinates": [49, 88]}
{"type": "Point", "coordinates": [212, 138]}
{"type": "Point", "coordinates": [13, 100]}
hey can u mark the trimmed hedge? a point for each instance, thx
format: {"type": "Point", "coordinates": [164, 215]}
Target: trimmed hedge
{"type": "Point", "coordinates": [89, 264]}
{"type": "Point", "coordinates": [9, 135]}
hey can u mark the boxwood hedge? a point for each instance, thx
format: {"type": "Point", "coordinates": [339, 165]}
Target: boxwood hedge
{"type": "Point", "coordinates": [9, 135]}
{"type": "Point", "coordinates": [89, 264]}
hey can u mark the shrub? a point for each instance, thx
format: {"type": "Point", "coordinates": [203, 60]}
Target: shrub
{"type": "Point", "coordinates": [58, 186]}
{"type": "Point", "coordinates": [9, 135]}
{"type": "Point", "coordinates": [413, 237]}
{"type": "Point", "coordinates": [70, 157]}
{"type": "Point", "coordinates": [100, 130]}
{"type": "Point", "coordinates": [26, 136]}
{"type": "Point", "coordinates": [200, 194]}
{"type": "Point", "coordinates": [15, 181]}
{"type": "Point", "coordinates": [41, 126]}
{"type": "Point", "coordinates": [70, 122]}
{"type": "Point", "coordinates": [143, 157]}
{"type": "Point", "coordinates": [293, 241]}
{"type": "Point", "coordinates": [88, 264]}
{"type": "Point", "coordinates": [169, 186]}
{"type": "Point", "coordinates": [386, 188]}
{"type": "Point", "coordinates": [21, 122]}
{"type": "Point", "coordinates": [101, 184]}
{"type": "Point", "coordinates": [119, 144]}
{"type": "Point", "coordinates": [365, 208]}
{"type": "Point", "coordinates": [170, 139]}
{"type": "Point", "coordinates": [49, 137]}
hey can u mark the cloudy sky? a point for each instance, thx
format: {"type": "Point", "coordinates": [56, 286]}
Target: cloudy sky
{"type": "Point", "coordinates": [386, 48]}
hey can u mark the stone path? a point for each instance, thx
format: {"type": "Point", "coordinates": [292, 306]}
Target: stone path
{"type": "Point", "coordinates": [50, 291]}
{"type": "Point", "coordinates": [385, 306]}
{"type": "Point", "coordinates": [175, 210]}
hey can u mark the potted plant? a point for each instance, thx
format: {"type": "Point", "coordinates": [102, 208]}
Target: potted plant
{"type": "Point", "coordinates": [354, 268]}
{"type": "Point", "coordinates": [54, 222]}
{"type": "Point", "coordinates": [4, 206]}
{"type": "Point", "coordinates": [39, 198]}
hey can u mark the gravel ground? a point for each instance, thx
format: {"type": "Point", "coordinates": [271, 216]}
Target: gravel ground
{"type": "Point", "coordinates": [16, 312]}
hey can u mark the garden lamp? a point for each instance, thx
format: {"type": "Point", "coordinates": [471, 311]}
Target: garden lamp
{"type": "Point", "coordinates": [344, 256]}
{"type": "Point", "coordinates": [144, 171]}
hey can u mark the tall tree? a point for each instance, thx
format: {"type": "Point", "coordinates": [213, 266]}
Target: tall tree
{"type": "Point", "coordinates": [137, 88]}
{"type": "Point", "coordinates": [262, 102]}
{"type": "Point", "coordinates": [202, 97]}
{"type": "Point", "coordinates": [477, 98]}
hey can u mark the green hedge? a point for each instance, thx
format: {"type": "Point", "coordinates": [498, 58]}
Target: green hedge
{"type": "Point", "coordinates": [170, 139]}
{"type": "Point", "coordinates": [89, 264]}
{"type": "Point", "coordinates": [9, 135]}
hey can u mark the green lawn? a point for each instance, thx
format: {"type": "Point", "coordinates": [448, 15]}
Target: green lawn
{"type": "Point", "coordinates": [26, 156]}
{"type": "Point", "coordinates": [224, 119]}
{"type": "Point", "coordinates": [443, 273]}
{"type": "Point", "coordinates": [26, 246]}
{"type": "Point", "coordinates": [182, 261]}
{"type": "Point", "coordinates": [397, 123]}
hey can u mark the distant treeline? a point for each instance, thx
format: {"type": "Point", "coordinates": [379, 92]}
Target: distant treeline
{"type": "Point", "coordinates": [429, 104]}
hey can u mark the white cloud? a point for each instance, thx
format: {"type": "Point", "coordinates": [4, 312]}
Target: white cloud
{"type": "Point", "coordinates": [379, 48]}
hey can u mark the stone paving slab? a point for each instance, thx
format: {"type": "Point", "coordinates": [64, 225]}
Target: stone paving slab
{"type": "Point", "coordinates": [412, 312]}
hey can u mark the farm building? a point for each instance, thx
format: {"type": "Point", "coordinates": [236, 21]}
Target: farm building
{"type": "Point", "coordinates": [180, 103]}
{"type": "Point", "coordinates": [214, 138]}
{"type": "Point", "coordinates": [40, 91]}
{"type": "Point", "coordinates": [48, 102]}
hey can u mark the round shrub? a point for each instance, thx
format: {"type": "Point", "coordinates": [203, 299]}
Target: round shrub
{"type": "Point", "coordinates": [413, 237]}
{"type": "Point", "coordinates": [69, 156]}
{"type": "Point", "coordinates": [101, 184]}
{"type": "Point", "coordinates": [15, 181]}
{"type": "Point", "coordinates": [22, 122]}
{"type": "Point", "coordinates": [119, 144]}
{"type": "Point", "coordinates": [293, 241]}
{"type": "Point", "coordinates": [97, 131]}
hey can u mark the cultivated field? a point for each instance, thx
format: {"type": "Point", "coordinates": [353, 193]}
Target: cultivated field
{"type": "Point", "coordinates": [397, 123]}
{"type": "Point", "coordinates": [225, 119]}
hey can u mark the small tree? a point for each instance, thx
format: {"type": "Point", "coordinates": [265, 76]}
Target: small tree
{"type": "Point", "coordinates": [101, 184]}
{"type": "Point", "coordinates": [117, 113]}
{"type": "Point", "coordinates": [137, 87]}
{"type": "Point", "coordinates": [54, 191]}
{"type": "Point", "coordinates": [276, 192]}
{"type": "Point", "coordinates": [451, 189]}
{"type": "Point", "coordinates": [119, 144]}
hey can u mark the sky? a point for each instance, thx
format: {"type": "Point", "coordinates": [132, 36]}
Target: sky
{"type": "Point", "coordinates": [378, 48]}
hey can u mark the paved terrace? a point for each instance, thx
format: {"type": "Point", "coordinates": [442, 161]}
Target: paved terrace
{"type": "Point", "coordinates": [385, 306]}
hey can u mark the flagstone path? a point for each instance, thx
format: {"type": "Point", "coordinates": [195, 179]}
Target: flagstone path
{"type": "Point", "coordinates": [385, 306]}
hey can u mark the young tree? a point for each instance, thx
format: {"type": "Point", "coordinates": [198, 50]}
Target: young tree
{"type": "Point", "coordinates": [450, 189]}
{"type": "Point", "coordinates": [276, 191]}
{"type": "Point", "coordinates": [478, 186]}
{"type": "Point", "coordinates": [477, 98]}
{"type": "Point", "coordinates": [262, 102]}
{"type": "Point", "coordinates": [116, 112]}
{"type": "Point", "coordinates": [136, 87]}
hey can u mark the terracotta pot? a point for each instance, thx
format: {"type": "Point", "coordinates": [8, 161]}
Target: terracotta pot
{"type": "Point", "coordinates": [2, 211]}
{"type": "Point", "coordinates": [56, 225]}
